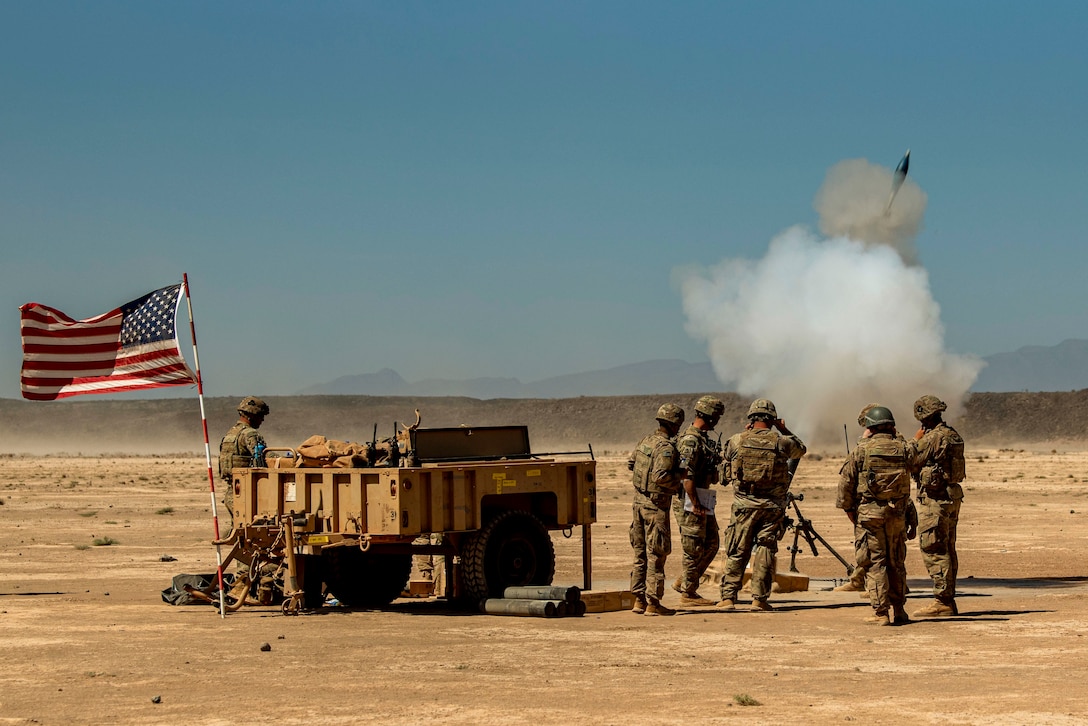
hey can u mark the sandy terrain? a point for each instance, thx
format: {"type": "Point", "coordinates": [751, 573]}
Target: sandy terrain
{"type": "Point", "coordinates": [86, 639]}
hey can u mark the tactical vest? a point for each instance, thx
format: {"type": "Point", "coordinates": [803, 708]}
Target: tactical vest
{"type": "Point", "coordinates": [954, 465]}
{"type": "Point", "coordinates": [231, 453]}
{"type": "Point", "coordinates": [759, 463]}
{"type": "Point", "coordinates": [644, 463]}
{"type": "Point", "coordinates": [707, 456]}
{"type": "Point", "coordinates": [940, 479]}
{"type": "Point", "coordinates": [884, 475]}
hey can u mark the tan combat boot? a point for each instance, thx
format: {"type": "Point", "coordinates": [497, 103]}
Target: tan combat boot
{"type": "Point", "coordinates": [726, 605]}
{"type": "Point", "coordinates": [878, 619]}
{"type": "Point", "coordinates": [678, 585]}
{"type": "Point", "coordinates": [848, 586]}
{"type": "Point", "coordinates": [656, 608]}
{"type": "Point", "coordinates": [935, 609]}
{"type": "Point", "coordinates": [640, 606]}
{"type": "Point", "coordinates": [761, 606]}
{"type": "Point", "coordinates": [695, 600]}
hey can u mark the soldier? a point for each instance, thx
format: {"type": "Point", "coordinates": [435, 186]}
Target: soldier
{"type": "Point", "coordinates": [699, 459]}
{"type": "Point", "coordinates": [242, 446]}
{"type": "Point", "coordinates": [856, 583]}
{"type": "Point", "coordinates": [655, 463]}
{"type": "Point", "coordinates": [874, 491]}
{"type": "Point", "coordinates": [942, 468]}
{"type": "Point", "coordinates": [759, 462]}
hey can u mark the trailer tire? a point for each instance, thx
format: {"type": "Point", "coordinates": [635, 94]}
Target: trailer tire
{"type": "Point", "coordinates": [365, 579]}
{"type": "Point", "coordinates": [313, 588]}
{"type": "Point", "coordinates": [512, 549]}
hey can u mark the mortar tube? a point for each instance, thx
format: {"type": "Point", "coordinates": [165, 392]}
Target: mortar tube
{"type": "Point", "coordinates": [543, 592]}
{"type": "Point", "coordinates": [521, 608]}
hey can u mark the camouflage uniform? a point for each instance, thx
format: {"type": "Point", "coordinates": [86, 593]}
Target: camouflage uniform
{"type": "Point", "coordinates": [880, 513]}
{"type": "Point", "coordinates": [939, 498]}
{"type": "Point", "coordinates": [655, 463]}
{"type": "Point", "coordinates": [242, 446]}
{"type": "Point", "coordinates": [757, 521]}
{"type": "Point", "coordinates": [698, 535]}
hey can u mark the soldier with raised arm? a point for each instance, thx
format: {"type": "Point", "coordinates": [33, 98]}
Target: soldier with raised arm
{"type": "Point", "coordinates": [759, 463]}
{"type": "Point", "coordinates": [699, 537]}
{"type": "Point", "coordinates": [942, 468]}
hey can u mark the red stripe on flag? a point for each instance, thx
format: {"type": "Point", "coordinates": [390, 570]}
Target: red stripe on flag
{"type": "Point", "coordinates": [63, 357]}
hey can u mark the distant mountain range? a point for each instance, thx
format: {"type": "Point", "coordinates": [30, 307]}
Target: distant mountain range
{"type": "Point", "coordinates": [1063, 367]}
{"type": "Point", "coordinates": [635, 379]}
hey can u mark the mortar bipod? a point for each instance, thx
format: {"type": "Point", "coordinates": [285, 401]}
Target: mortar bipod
{"type": "Point", "coordinates": [803, 527]}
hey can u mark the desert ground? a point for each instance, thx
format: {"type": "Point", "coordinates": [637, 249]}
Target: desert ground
{"type": "Point", "coordinates": [86, 637]}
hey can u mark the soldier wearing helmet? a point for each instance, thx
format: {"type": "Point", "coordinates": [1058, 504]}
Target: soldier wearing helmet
{"type": "Point", "coordinates": [874, 491]}
{"type": "Point", "coordinates": [242, 446]}
{"type": "Point", "coordinates": [940, 451]}
{"type": "Point", "coordinates": [856, 583]}
{"type": "Point", "coordinates": [759, 463]}
{"type": "Point", "coordinates": [694, 510]}
{"type": "Point", "coordinates": [655, 467]}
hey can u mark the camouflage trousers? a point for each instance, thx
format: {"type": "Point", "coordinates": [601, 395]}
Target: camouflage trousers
{"type": "Point", "coordinates": [651, 539]}
{"type": "Point", "coordinates": [880, 543]}
{"type": "Point", "coordinates": [752, 534]}
{"type": "Point", "coordinates": [937, 522]}
{"type": "Point", "coordinates": [700, 541]}
{"type": "Point", "coordinates": [226, 514]}
{"type": "Point", "coordinates": [430, 567]}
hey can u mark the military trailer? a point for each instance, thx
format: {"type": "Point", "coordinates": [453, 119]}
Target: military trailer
{"type": "Point", "coordinates": [478, 496]}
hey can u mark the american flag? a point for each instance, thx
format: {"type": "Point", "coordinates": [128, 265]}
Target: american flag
{"type": "Point", "coordinates": [132, 347]}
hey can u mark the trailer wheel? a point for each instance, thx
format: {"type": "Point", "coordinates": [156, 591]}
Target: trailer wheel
{"type": "Point", "coordinates": [365, 579]}
{"type": "Point", "coordinates": [512, 549]}
{"type": "Point", "coordinates": [312, 581]}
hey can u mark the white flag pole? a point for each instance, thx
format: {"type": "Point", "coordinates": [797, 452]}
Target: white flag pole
{"type": "Point", "coordinates": [207, 451]}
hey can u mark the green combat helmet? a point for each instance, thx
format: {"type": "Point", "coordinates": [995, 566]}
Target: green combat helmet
{"type": "Point", "coordinates": [928, 405]}
{"type": "Point", "coordinates": [878, 415]}
{"type": "Point", "coordinates": [762, 407]}
{"type": "Point", "coordinates": [864, 412]}
{"type": "Point", "coordinates": [671, 413]}
{"type": "Point", "coordinates": [253, 406]}
{"type": "Point", "coordinates": [709, 406]}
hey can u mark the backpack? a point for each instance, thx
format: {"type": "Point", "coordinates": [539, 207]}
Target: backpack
{"type": "Point", "coordinates": [884, 474]}
{"type": "Point", "coordinates": [644, 460]}
{"type": "Point", "coordinates": [955, 466]}
{"type": "Point", "coordinates": [758, 461]}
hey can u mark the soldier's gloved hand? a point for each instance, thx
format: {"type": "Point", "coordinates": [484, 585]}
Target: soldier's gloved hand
{"type": "Point", "coordinates": [912, 531]}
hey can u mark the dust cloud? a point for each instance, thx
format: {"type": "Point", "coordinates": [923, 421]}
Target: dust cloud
{"type": "Point", "coordinates": [823, 325]}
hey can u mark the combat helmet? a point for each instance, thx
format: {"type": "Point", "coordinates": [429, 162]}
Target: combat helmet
{"type": "Point", "coordinates": [709, 406]}
{"type": "Point", "coordinates": [928, 405]}
{"type": "Point", "coordinates": [762, 407]}
{"type": "Point", "coordinates": [253, 406]}
{"type": "Point", "coordinates": [670, 413]}
{"type": "Point", "coordinates": [864, 412]}
{"type": "Point", "coordinates": [878, 415]}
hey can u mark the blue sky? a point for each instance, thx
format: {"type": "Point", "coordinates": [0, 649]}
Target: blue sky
{"type": "Point", "coordinates": [504, 189]}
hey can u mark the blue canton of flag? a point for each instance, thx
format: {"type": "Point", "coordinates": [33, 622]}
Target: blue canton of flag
{"type": "Point", "coordinates": [150, 318]}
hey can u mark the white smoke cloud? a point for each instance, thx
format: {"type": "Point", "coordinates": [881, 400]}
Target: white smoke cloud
{"type": "Point", "coordinates": [822, 326]}
{"type": "Point", "coordinates": [853, 203]}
